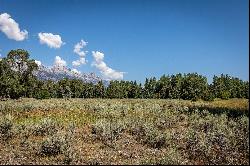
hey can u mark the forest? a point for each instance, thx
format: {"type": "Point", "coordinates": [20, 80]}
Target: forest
{"type": "Point", "coordinates": [17, 80]}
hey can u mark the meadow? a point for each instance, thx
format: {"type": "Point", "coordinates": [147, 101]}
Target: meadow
{"type": "Point", "coordinates": [124, 131]}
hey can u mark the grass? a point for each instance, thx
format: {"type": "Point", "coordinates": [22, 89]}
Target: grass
{"type": "Point", "coordinates": [124, 131]}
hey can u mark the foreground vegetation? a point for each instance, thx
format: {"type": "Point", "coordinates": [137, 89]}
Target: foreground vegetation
{"type": "Point", "coordinates": [124, 131]}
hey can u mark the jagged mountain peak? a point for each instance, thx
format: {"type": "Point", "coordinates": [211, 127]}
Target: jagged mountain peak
{"type": "Point", "coordinates": [57, 73]}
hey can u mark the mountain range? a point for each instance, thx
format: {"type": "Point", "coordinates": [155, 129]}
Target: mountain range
{"type": "Point", "coordinates": [58, 73]}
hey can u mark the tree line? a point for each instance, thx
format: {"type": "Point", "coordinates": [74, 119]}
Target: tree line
{"type": "Point", "coordinates": [17, 80]}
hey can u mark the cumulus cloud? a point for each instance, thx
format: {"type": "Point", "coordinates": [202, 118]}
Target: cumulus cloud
{"type": "Point", "coordinates": [76, 63]}
{"type": "Point", "coordinates": [81, 53]}
{"type": "Point", "coordinates": [76, 71]}
{"type": "Point", "coordinates": [59, 63]}
{"type": "Point", "coordinates": [11, 28]}
{"type": "Point", "coordinates": [79, 62]}
{"type": "Point", "coordinates": [39, 63]}
{"type": "Point", "coordinates": [78, 47]}
{"type": "Point", "coordinates": [51, 40]}
{"type": "Point", "coordinates": [106, 71]}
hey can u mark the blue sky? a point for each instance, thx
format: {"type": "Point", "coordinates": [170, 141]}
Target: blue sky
{"type": "Point", "coordinates": [143, 38]}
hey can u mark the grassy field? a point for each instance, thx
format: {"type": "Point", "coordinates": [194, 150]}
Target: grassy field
{"type": "Point", "coordinates": [124, 131]}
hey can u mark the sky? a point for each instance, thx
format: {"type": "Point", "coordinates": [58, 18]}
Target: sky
{"type": "Point", "coordinates": [131, 39]}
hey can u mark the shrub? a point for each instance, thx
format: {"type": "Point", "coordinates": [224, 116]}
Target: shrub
{"type": "Point", "coordinates": [154, 138]}
{"type": "Point", "coordinates": [58, 143]}
{"type": "Point", "coordinates": [148, 134]}
{"type": "Point", "coordinates": [108, 129]}
{"type": "Point", "coordinates": [52, 145]}
{"type": "Point", "coordinates": [6, 125]}
{"type": "Point", "coordinates": [172, 157]}
{"type": "Point", "coordinates": [46, 126]}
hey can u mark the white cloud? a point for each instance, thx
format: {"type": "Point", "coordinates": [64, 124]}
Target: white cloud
{"type": "Point", "coordinates": [39, 63]}
{"type": "Point", "coordinates": [79, 62]}
{"type": "Point", "coordinates": [82, 54]}
{"type": "Point", "coordinates": [11, 28]}
{"type": "Point", "coordinates": [107, 72]}
{"type": "Point", "coordinates": [59, 63]}
{"type": "Point", "coordinates": [78, 47]}
{"type": "Point", "coordinates": [53, 41]}
{"type": "Point", "coordinates": [76, 63]}
{"type": "Point", "coordinates": [76, 71]}
{"type": "Point", "coordinates": [98, 56]}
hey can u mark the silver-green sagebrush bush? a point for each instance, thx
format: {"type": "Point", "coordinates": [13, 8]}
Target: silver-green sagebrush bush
{"type": "Point", "coordinates": [148, 133]}
{"type": "Point", "coordinates": [59, 143]}
{"type": "Point", "coordinates": [6, 126]}
{"type": "Point", "coordinates": [46, 127]}
{"type": "Point", "coordinates": [108, 129]}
